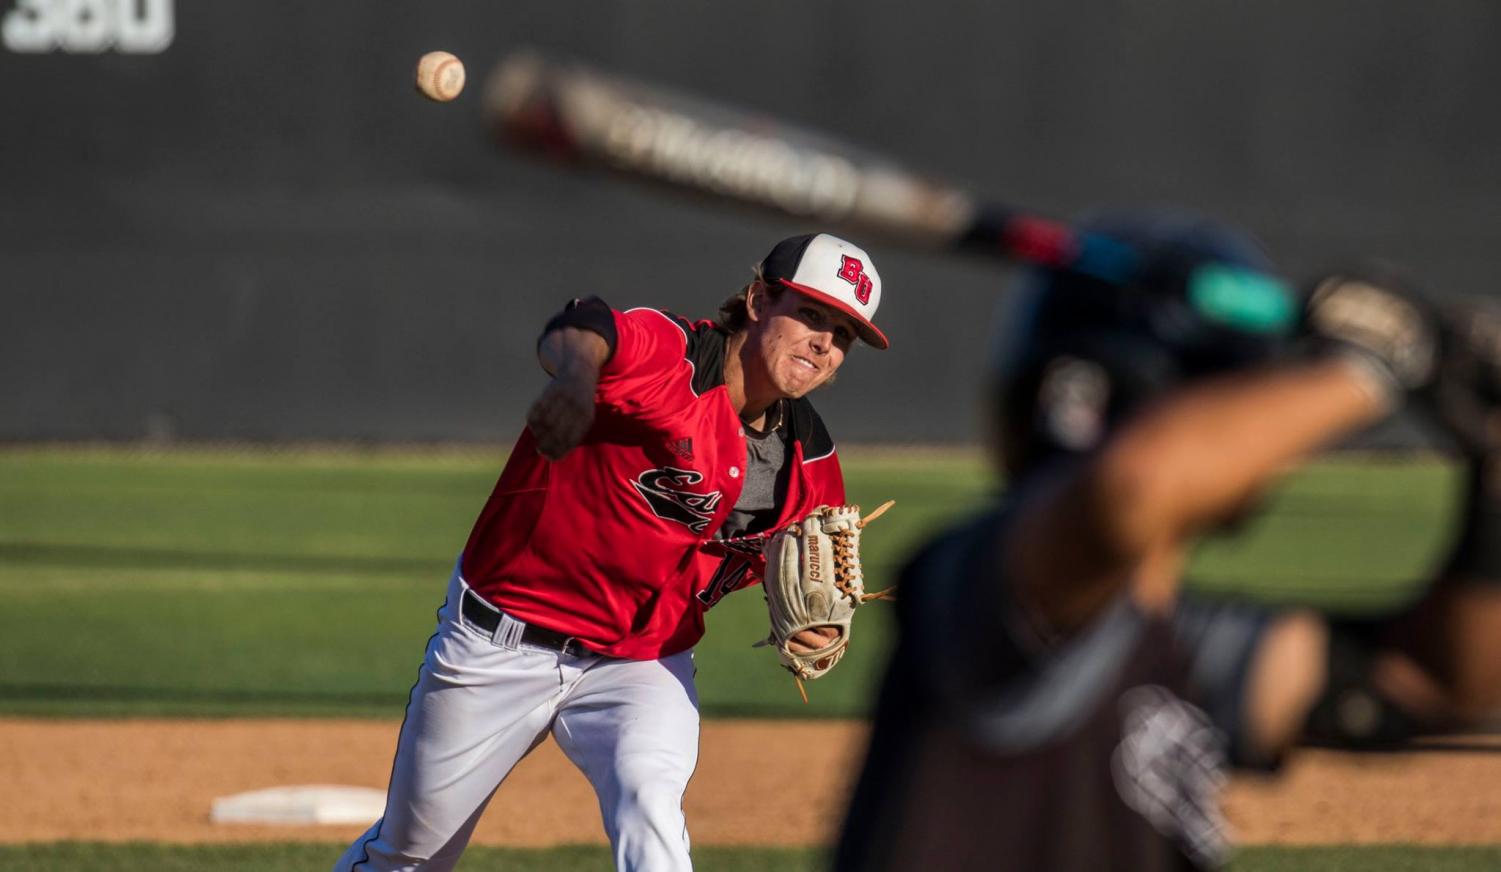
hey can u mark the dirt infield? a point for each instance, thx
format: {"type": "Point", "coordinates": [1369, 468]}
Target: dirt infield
{"type": "Point", "coordinates": [155, 779]}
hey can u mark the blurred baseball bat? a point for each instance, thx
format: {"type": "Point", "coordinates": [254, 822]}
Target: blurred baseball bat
{"type": "Point", "coordinates": [587, 117]}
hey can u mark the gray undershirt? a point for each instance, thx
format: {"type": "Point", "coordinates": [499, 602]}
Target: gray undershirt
{"type": "Point", "coordinates": [765, 484]}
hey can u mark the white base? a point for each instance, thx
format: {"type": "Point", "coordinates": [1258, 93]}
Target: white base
{"type": "Point", "coordinates": [305, 804]}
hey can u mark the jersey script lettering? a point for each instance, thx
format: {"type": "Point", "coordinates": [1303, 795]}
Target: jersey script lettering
{"type": "Point", "coordinates": [666, 491]}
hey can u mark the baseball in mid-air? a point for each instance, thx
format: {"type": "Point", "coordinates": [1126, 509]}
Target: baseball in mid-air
{"type": "Point", "coordinates": [440, 76]}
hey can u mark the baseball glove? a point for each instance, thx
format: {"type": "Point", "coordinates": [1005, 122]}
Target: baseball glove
{"type": "Point", "coordinates": [813, 580]}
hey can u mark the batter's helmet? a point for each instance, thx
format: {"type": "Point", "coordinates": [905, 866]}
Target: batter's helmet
{"type": "Point", "coordinates": [1082, 353]}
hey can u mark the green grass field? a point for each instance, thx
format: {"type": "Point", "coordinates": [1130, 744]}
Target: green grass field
{"type": "Point", "coordinates": [205, 582]}
{"type": "Point", "coordinates": [305, 583]}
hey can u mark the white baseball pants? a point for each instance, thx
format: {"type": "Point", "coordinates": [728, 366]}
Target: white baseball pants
{"type": "Point", "coordinates": [630, 726]}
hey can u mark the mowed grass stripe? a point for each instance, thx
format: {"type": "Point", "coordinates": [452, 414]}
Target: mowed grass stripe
{"type": "Point", "coordinates": [286, 582]}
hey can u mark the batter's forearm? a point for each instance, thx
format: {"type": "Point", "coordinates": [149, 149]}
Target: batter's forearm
{"type": "Point", "coordinates": [1201, 455]}
{"type": "Point", "coordinates": [1122, 518]}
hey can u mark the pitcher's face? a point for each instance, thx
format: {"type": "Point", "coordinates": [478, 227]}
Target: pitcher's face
{"type": "Point", "coordinates": [798, 341]}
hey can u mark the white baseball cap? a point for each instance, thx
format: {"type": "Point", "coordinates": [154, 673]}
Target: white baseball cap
{"type": "Point", "coordinates": [832, 271]}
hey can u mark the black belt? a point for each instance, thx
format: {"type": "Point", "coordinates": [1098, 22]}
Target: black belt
{"type": "Point", "coordinates": [487, 617]}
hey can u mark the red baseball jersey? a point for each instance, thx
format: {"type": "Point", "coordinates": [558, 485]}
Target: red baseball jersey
{"type": "Point", "coordinates": [614, 543]}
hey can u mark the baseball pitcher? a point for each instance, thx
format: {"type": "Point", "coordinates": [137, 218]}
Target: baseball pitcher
{"type": "Point", "coordinates": [654, 472]}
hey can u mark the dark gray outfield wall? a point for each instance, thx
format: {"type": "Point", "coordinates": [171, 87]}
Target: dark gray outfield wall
{"type": "Point", "coordinates": [256, 230]}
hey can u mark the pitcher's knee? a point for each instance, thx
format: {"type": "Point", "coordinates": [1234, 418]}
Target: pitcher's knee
{"type": "Point", "coordinates": [652, 799]}
{"type": "Point", "coordinates": [648, 799]}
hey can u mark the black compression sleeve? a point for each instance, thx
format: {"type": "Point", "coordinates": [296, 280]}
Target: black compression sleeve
{"type": "Point", "coordinates": [592, 314]}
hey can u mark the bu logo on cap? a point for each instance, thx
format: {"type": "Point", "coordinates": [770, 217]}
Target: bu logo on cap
{"type": "Point", "coordinates": [853, 271]}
